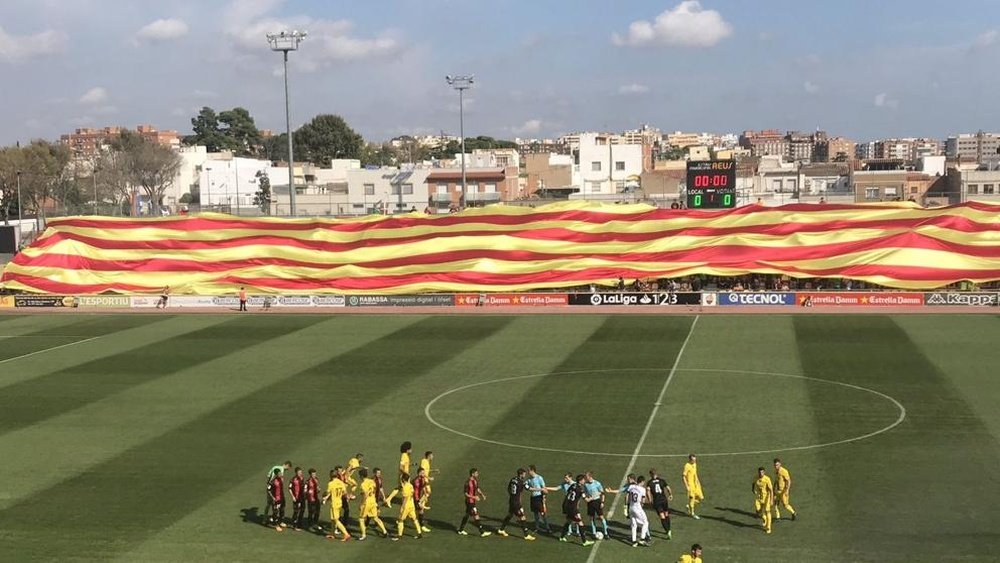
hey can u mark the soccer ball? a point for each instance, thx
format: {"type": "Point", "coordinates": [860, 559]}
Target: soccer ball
{"type": "Point", "coordinates": [599, 535]}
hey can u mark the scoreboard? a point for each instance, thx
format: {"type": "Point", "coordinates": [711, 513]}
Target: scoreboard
{"type": "Point", "coordinates": [711, 184]}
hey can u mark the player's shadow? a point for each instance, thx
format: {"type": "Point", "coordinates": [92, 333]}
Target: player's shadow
{"type": "Point", "coordinates": [252, 515]}
{"type": "Point", "coordinates": [729, 521]}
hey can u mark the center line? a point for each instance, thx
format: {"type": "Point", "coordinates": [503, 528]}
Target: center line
{"type": "Point", "coordinates": [645, 431]}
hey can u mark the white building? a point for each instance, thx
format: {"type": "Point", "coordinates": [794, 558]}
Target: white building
{"type": "Point", "coordinates": [602, 168]}
{"type": "Point", "coordinates": [393, 189]}
{"type": "Point", "coordinates": [228, 183]}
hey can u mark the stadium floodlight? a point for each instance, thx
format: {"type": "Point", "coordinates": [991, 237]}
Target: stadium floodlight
{"type": "Point", "coordinates": [461, 83]}
{"type": "Point", "coordinates": [286, 41]}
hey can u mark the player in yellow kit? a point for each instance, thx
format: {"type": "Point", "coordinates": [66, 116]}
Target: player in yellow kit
{"type": "Point", "coordinates": [404, 458]}
{"type": "Point", "coordinates": [763, 498]}
{"type": "Point", "coordinates": [693, 557]}
{"type": "Point", "coordinates": [406, 509]}
{"type": "Point", "coordinates": [425, 464]}
{"type": "Point", "coordinates": [369, 505]}
{"type": "Point", "coordinates": [782, 489]}
{"type": "Point", "coordinates": [336, 492]}
{"type": "Point", "coordinates": [693, 484]}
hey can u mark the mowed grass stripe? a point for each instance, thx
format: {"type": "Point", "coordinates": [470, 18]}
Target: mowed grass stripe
{"type": "Point", "coordinates": [23, 369]}
{"type": "Point", "coordinates": [963, 348]}
{"type": "Point", "coordinates": [80, 439]}
{"type": "Point", "coordinates": [49, 395]}
{"type": "Point", "coordinates": [376, 429]}
{"type": "Point", "coordinates": [78, 328]}
{"type": "Point", "coordinates": [901, 492]}
{"type": "Point", "coordinates": [121, 502]}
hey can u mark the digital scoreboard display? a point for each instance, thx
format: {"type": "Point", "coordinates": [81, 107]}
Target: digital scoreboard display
{"type": "Point", "coordinates": [711, 184]}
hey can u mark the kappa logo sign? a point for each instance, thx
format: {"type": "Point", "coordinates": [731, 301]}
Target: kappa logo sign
{"type": "Point", "coordinates": [941, 298]}
{"type": "Point", "coordinates": [733, 298]}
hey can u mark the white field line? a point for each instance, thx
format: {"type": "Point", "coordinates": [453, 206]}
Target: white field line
{"type": "Point", "coordinates": [645, 432]}
{"type": "Point", "coordinates": [28, 355]}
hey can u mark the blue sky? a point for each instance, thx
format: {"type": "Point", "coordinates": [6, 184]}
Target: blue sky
{"type": "Point", "coordinates": [864, 69]}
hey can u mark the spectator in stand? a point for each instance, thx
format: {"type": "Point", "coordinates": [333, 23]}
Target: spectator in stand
{"type": "Point", "coordinates": [621, 283]}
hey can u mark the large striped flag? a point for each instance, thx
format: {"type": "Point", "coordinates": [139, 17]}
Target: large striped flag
{"type": "Point", "coordinates": [501, 248]}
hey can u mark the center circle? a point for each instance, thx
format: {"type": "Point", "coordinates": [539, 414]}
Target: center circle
{"type": "Point", "coordinates": [738, 416]}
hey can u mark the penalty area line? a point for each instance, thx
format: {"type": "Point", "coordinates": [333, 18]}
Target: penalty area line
{"type": "Point", "coordinates": [645, 431]}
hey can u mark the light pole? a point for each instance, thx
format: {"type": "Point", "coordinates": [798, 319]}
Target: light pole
{"type": "Point", "coordinates": [461, 83]}
{"type": "Point", "coordinates": [19, 216]}
{"type": "Point", "coordinates": [288, 41]}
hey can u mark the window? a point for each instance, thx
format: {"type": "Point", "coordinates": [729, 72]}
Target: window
{"type": "Point", "coordinates": [973, 189]}
{"type": "Point", "coordinates": [891, 192]}
{"type": "Point", "coordinates": [491, 188]}
{"type": "Point", "coordinates": [871, 193]}
{"type": "Point", "coordinates": [620, 165]}
{"type": "Point", "coordinates": [473, 188]}
{"type": "Point", "coordinates": [595, 166]}
{"type": "Point", "coordinates": [395, 189]}
{"type": "Point", "coordinates": [369, 189]}
{"type": "Point", "coordinates": [442, 188]}
{"type": "Point", "coordinates": [988, 189]}
{"type": "Point", "coordinates": [913, 189]}
{"type": "Point", "coordinates": [776, 185]}
{"type": "Point", "coordinates": [595, 187]}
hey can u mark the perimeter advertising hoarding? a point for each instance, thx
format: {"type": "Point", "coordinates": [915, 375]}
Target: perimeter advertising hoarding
{"type": "Point", "coordinates": [31, 301]}
{"type": "Point", "coordinates": [977, 299]}
{"type": "Point", "coordinates": [104, 301]}
{"type": "Point", "coordinates": [511, 299]}
{"type": "Point", "coordinates": [635, 299]}
{"type": "Point", "coordinates": [756, 299]}
{"type": "Point", "coordinates": [400, 300]}
{"type": "Point", "coordinates": [860, 299]}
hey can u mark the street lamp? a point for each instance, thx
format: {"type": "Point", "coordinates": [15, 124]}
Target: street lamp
{"type": "Point", "coordinates": [461, 83]}
{"type": "Point", "coordinates": [288, 41]}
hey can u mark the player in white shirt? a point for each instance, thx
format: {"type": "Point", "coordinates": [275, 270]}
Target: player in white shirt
{"type": "Point", "coordinates": [637, 496]}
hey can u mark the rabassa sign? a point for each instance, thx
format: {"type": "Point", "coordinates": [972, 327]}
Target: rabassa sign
{"type": "Point", "coordinates": [749, 299]}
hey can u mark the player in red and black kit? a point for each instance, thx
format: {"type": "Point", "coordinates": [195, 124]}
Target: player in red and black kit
{"type": "Point", "coordinates": [473, 494]}
{"type": "Point", "coordinates": [515, 488]}
{"type": "Point", "coordinates": [296, 490]}
{"type": "Point", "coordinates": [662, 495]}
{"type": "Point", "coordinates": [313, 498]}
{"type": "Point", "coordinates": [276, 498]}
{"type": "Point", "coordinates": [571, 509]}
{"type": "Point", "coordinates": [420, 484]}
{"type": "Point", "coordinates": [379, 491]}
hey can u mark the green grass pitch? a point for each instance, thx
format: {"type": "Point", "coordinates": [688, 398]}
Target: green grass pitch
{"type": "Point", "coordinates": [151, 441]}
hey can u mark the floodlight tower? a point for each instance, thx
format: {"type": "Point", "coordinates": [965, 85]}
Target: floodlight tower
{"type": "Point", "coordinates": [286, 41]}
{"type": "Point", "coordinates": [461, 83]}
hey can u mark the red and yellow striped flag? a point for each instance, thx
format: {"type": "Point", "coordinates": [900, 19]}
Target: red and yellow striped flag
{"type": "Point", "coordinates": [509, 249]}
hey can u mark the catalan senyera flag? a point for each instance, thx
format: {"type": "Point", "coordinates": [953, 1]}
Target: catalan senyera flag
{"type": "Point", "coordinates": [506, 248]}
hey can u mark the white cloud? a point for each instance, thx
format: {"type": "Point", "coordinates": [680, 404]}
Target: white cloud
{"type": "Point", "coordinates": [94, 96]}
{"type": "Point", "coordinates": [20, 47]}
{"type": "Point", "coordinates": [686, 25]}
{"type": "Point", "coordinates": [204, 95]}
{"type": "Point", "coordinates": [529, 127]}
{"type": "Point", "coordinates": [328, 41]}
{"type": "Point", "coordinates": [162, 30]}
{"type": "Point", "coordinates": [810, 87]}
{"type": "Point", "coordinates": [882, 100]}
{"type": "Point", "coordinates": [986, 39]}
{"type": "Point", "coordinates": [633, 89]}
